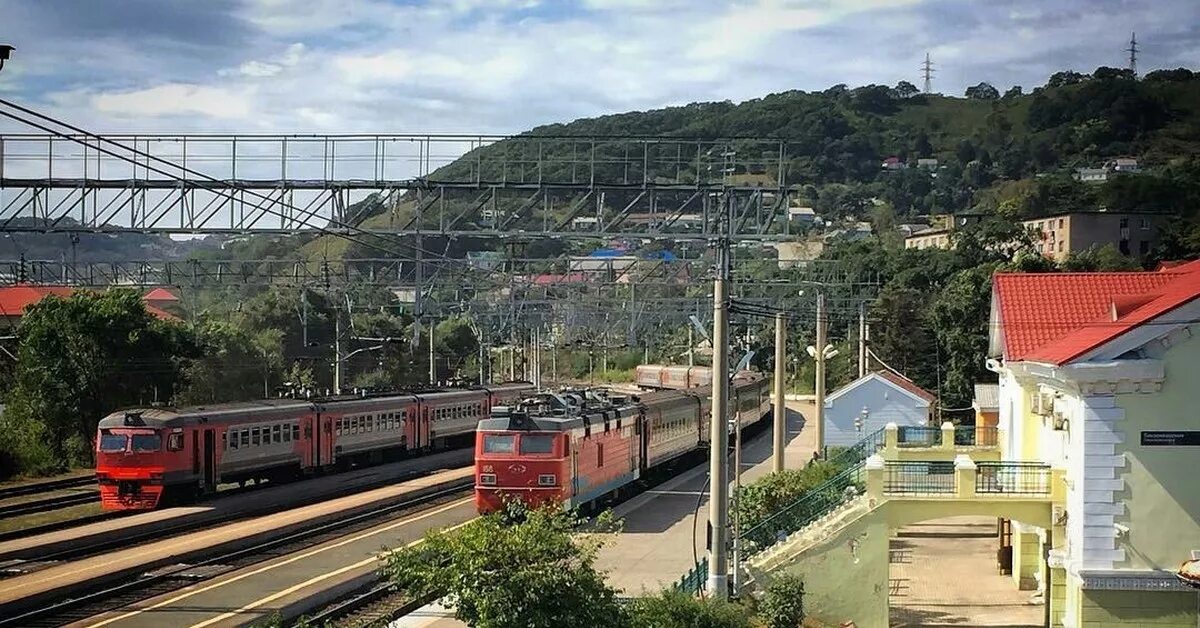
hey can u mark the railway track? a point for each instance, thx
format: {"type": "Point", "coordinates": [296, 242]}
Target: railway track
{"type": "Point", "coordinates": [21, 490]}
{"type": "Point", "coordinates": [375, 605]}
{"type": "Point", "coordinates": [87, 602]}
{"type": "Point", "coordinates": [50, 503]}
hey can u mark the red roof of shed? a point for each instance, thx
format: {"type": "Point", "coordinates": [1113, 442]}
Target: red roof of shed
{"type": "Point", "coordinates": [1057, 317]}
{"type": "Point", "coordinates": [15, 299]}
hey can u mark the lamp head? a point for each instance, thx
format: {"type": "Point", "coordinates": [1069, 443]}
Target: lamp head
{"type": "Point", "coordinates": [5, 51]}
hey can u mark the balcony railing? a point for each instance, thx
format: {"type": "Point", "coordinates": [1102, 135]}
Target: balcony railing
{"type": "Point", "coordinates": [919, 436]}
{"type": "Point", "coordinates": [976, 436]}
{"type": "Point", "coordinates": [1012, 478]}
{"type": "Point", "coordinates": [914, 478]}
{"type": "Point", "coordinates": [694, 580]}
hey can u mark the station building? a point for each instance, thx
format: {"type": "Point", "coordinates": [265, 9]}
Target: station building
{"type": "Point", "coordinates": [1098, 376]}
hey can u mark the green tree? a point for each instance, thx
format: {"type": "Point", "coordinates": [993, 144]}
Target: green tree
{"type": "Point", "coordinates": [82, 357]}
{"type": "Point", "coordinates": [783, 604]}
{"type": "Point", "coordinates": [513, 569]}
{"type": "Point", "coordinates": [234, 364]}
{"type": "Point", "coordinates": [960, 315]}
{"type": "Point", "coordinates": [671, 609]}
{"type": "Point", "coordinates": [982, 91]}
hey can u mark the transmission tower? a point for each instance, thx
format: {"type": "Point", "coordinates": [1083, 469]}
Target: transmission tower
{"type": "Point", "coordinates": [927, 71]}
{"type": "Point", "coordinates": [1132, 50]}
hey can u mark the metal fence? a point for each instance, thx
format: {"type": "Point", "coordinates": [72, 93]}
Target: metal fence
{"type": "Point", "coordinates": [693, 581]}
{"type": "Point", "coordinates": [858, 452]}
{"type": "Point", "coordinates": [905, 478]}
{"type": "Point", "coordinates": [918, 436]}
{"type": "Point", "coordinates": [1012, 478]}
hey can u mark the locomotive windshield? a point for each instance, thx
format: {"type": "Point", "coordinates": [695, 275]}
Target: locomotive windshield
{"type": "Point", "coordinates": [499, 443]}
{"type": "Point", "coordinates": [537, 443]}
{"type": "Point", "coordinates": [147, 442]}
{"type": "Point", "coordinates": [113, 442]}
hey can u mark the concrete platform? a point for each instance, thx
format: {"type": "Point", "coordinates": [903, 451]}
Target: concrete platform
{"type": "Point", "coordinates": [962, 550]}
{"type": "Point", "coordinates": [269, 498]}
{"type": "Point", "coordinates": [288, 585]}
{"type": "Point", "coordinates": [57, 581]}
{"type": "Point", "coordinates": [660, 533]}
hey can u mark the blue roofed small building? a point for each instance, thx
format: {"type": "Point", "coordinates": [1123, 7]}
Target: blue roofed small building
{"type": "Point", "coordinates": [871, 402]}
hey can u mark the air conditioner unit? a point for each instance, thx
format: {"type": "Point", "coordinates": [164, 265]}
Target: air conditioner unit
{"type": "Point", "coordinates": [1043, 403]}
{"type": "Point", "coordinates": [1058, 420]}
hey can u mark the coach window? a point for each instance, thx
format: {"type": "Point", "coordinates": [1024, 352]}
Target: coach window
{"type": "Point", "coordinates": [175, 441]}
{"type": "Point", "coordinates": [599, 454]}
{"type": "Point", "coordinates": [244, 437]}
{"type": "Point", "coordinates": [537, 443]}
{"type": "Point", "coordinates": [110, 442]}
{"type": "Point", "coordinates": [275, 437]}
{"type": "Point", "coordinates": [499, 443]}
{"type": "Point", "coordinates": [286, 433]}
{"type": "Point", "coordinates": [337, 427]}
{"type": "Point", "coordinates": [147, 442]}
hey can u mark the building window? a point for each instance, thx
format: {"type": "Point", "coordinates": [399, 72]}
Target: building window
{"type": "Point", "coordinates": [1143, 247]}
{"type": "Point", "coordinates": [1124, 247]}
{"type": "Point", "coordinates": [1060, 223]}
{"type": "Point", "coordinates": [1145, 225]}
{"type": "Point", "coordinates": [1060, 246]}
{"type": "Point", "coordinates": [1124, 223]}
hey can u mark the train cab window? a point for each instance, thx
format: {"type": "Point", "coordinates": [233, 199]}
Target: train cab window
{"type": "Point", "coordinates": [147, 442]}
{"type": "Point", "coordinates": [537, 443]}
{"type": "Point", "coordinates": [275, 437]}
{"type": "Point", "coordinates": [112, 442]}
{"type": "Point", "coordinates": [175, 441]}
{"type": "Point", "coordinates": [499, 443]}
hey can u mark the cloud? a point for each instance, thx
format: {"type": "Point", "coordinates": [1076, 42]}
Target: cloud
{"type": "Point", "coordinates": [508, 65]}
{"type": "Point", "coordinates": [174, 99]}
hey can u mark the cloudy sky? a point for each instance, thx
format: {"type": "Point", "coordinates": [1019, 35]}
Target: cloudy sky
{"type": "Point", "coordinates": [505, 65]}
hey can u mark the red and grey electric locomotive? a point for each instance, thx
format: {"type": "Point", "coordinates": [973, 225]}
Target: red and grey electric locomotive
{"type": "Point", "coordinates": [550, 449]}
{"type": "Point", "coordinates": [149, 456]}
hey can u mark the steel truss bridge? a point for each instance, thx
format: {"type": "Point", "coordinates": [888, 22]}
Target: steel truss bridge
{"type": "Point", "coordinates": [461, 185]}
{"type": "Point", "coordinates": [394, 191]}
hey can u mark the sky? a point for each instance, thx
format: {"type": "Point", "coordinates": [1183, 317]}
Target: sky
{"type": "Point", "coordinates": [503, 66]}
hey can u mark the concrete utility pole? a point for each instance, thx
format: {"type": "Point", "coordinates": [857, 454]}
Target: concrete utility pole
{"type": "Point", "coordinates": [820, 383]}
{"type": "Point", "coordinates": [337, 352]}
{"type": "Point", "coordinates": [432, 361]}
{"type": "Point", "coordinates": [780, 411]}
{"type": "Point", "coordinates": [718, 466]}
{"type": "Point", "coordinates": [862, 339]}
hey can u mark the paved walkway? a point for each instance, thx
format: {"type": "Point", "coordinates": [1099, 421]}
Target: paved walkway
{"type": "Point", "coordinates": [656, 546]}
{"type": "Point", "coordinates": [943, 573]}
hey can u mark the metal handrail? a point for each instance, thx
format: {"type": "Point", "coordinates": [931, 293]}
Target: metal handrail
{"type": "Point", "coordinates": [811, 506]}
{"type": "Point", "coordinates": [918, 436]}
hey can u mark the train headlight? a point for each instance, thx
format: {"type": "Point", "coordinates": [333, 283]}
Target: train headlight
{"type": "Point", "coordinates": [547, 479]}
{"type": "Point", "coordinates": [487, 479]}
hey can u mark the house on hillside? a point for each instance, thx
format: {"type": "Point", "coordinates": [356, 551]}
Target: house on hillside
{"type": "Point", "coordinates": [1098, 377]}
{"type": "Point", "coordinates": [1132, 233]}
{"type": "Point", "coordinates": [893, 163]}
{"type": "Point", "coordinates": [872, 401]}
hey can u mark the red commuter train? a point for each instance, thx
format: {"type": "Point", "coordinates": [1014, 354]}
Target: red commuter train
{"type": "Point", "coordinates": [147, 457]}
{"type": "Point", "coordinates": [556, 448]}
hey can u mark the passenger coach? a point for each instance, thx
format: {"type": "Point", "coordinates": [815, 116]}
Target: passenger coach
{"type": "Point", "coordinates": [149, 456]}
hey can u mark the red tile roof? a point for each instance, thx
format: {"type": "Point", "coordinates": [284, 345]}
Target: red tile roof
{"type": "Point", "coordinates": [907, 384]}
{"type": "Point", "coordinates": [160, 294]}
{"type": "Point", "coordinates": [1057, 317]}
{"type": "Point", "coordinates": [15, 299]}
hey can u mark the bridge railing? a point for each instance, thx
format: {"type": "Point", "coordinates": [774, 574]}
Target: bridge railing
{"type": "Point", "coordinates": [915, 478]}
{"type": "Point", "coordinates": [1012, 478]}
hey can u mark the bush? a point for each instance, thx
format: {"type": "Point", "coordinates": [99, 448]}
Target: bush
{"type": "Point", "coordinates": [768, 495]}
{"type": "Point", "coordinates": [673, 609]}
{"type": "Point", "coordinates": [783, 604]}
